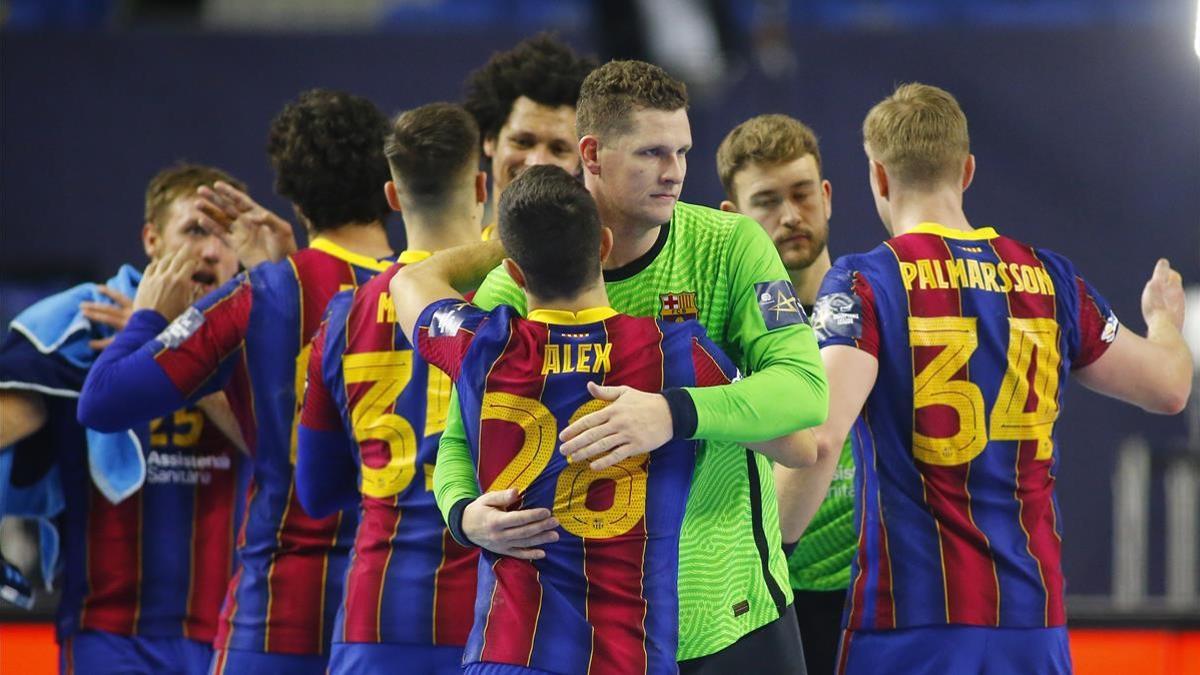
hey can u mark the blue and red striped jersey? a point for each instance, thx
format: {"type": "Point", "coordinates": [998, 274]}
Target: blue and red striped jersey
{"type": "Point", "coordinates": [605, 598]}
{"type": "Point", "coordinates": [157, 563]}
{"type": "Point", "coordinates": [956, 448]}
{"type": "Point", "coordinates": [251, 338]}
{"type": "Point", "coordinates": [373, 400]}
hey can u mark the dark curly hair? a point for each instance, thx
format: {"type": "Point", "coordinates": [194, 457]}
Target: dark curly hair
{"type": "Point", "coordinates": [541, 68]}
{"type": "Point", "coordinates": [327, 151]}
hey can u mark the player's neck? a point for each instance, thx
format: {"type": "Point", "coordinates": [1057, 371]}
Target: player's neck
{"type": "Point", "coordinates": [630, 240]}
{"type": "Point", "coordinates": [943, 207]}
{"type": "Point", "coordinates": [369, 239]}
{"type": "Point", "coordinates": [807, 281]}
{"type": "Point", "coordinates": [595, 296]}
{"type": "Point", "coordinates": [443, 229]}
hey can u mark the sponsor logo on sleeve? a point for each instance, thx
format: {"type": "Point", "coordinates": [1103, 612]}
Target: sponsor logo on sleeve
{"type": "Point", "coordinates": [837, 315]}
{"type": "Point", "coordinates": [778, 304]}
{"type": "Point", "coordinates": [1110, 328]}
{"type": "Point", "coordinates": [182, 328]}
{"type": "Point", "coordinates": [447, 320]}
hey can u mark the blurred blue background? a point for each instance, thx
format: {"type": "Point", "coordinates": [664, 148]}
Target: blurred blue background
{"type": "Point", "coordinates": [1084, 119]}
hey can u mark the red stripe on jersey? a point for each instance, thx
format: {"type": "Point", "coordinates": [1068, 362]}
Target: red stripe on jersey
{"type": "Point", "coordinates": [708, 371]}
{"type": "Point", "coordinates": [368, 569]}
{"type": "Point", "coordinates": [212, 543]}
{"type": "Point", "coordinates": [516, 606]}
{"type": "Point", "coordinates": [113, 564]}
{"type": "Point", "coordinates": [296, 580]}
{"type": "Point", "coordinates": [868, 340]}
{"type": "Point", "coordinates": [843, 654]}
{"type": "Point", "coordinates": [968, 571]}
{"type": "Point", "coordinates": [1035, 482]}
{"type": "Point", "coordinates": [501, 440]}
{"type": "Point", "coordinates": [614, 567]}
{"type": "Point", "coordinates": [454, 588]}
{"type": "Point", "coordinates": [241, 402]}
{"type": "Point", "coordinates": [225, 323]}
{"type": "Point", "coordinates": [230, 607]}
{"type": "Point", "coordinates": [517, 596]}
{"type": "Point", "coordinates": [1091, 327]}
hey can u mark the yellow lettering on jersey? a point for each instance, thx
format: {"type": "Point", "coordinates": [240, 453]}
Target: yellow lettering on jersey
{"type": "Point", "coordinates": [385, 311]}
{"type": "Point", "coordinates": [582, 362]}
{"type": "Point", "coordinates": [1016, 277]}
{"type": "Point", "coordinates": [602, 364]}
{"type": "Point", "coordinates": [937, 272]}
{"type": "Point", "coordinates": [974, 275]}
{"type": "Point", "coordinates": [925, 274]}
{"type": "Point", "coordinates": [550, 365]}
{"type": "Point", "coordinates": [956, 271]}
{"type": "Point", "coordinates": [1044, 280]}
{"type": "Point", "coordinates": [584, 358]}
{"type": "Point", "coordinates": [908, 272]}
{"type": "Point", "coordinates": [1005, 282]}
{"type": "Point", "coordinates": [989, 276]}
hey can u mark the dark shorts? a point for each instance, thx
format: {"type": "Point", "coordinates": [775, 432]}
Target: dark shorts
{"type": "Point", "coordinates": [769, 650]}
{"type": "Point", "coordinates": [96, 652]}
{"type": "Point", "coordinates": [244, 662]}
{"type": "Point", "coordinates": [819, 615]}
{"type": "Point", "coordinates": [962, 650]}
{"type": "Point", "coordinates": [363, 657]}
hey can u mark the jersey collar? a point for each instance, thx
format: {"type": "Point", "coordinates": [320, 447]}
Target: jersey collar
{"type": "Point", "coordinates": [411, 256]}
{"type": "Point", "coordinates": [565, 318]}
{"type": "Point", "coordinates": [943, 231]}
{"type": "Point", "coordinates": [357, 259]}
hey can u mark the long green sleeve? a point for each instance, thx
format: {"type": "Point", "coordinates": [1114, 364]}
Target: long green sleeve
{"type": "Point", "coordinates": [785, 389]}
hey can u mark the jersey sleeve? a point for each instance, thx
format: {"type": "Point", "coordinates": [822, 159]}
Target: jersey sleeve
{"type": "Point", "coordinates": [785, 389]}
{"type": "Point", "coordinates": [141, 376]}
{"type": "Point", "coordinates": [326, 473]}
{"type": "Point", "coordinates": [712, 367]}
{"type": "Point", "coordinates": [845, 310]}
{"type": "Point", "coordinates": [444, 332]}
{"type": "Point", "coordinates": [1097, 325]}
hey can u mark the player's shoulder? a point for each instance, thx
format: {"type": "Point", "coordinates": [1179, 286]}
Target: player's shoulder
{"type": "Point", "coordinates": [692, 220]}
{"type": "Point", "coordinates": [867, 262]}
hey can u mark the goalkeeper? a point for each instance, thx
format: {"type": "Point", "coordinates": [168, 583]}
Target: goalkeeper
{"type": "Point", "coordinates": [678, 261]}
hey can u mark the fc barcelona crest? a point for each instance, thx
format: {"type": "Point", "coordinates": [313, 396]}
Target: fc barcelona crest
{"type": "Point", "coordinates": [678, 307]}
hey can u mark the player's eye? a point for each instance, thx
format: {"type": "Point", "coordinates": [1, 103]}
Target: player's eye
{"type": "Point", "coordinates": [195, 230]}
{"type": "Point", "coordinates": [523, 142]}
{"type": "Point", "coordinates": [767, 203]}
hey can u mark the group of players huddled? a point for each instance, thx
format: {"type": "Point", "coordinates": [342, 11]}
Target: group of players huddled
{"type": "Point", "coordinates": [598, 434]}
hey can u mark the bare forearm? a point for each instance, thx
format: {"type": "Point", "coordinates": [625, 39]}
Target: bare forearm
{"type": "Point", "coordinates": [21, 414]}
{"type": "Point", "coordinates": [795, 450]}
{"type": "Point", "coordinates": [800, 493]}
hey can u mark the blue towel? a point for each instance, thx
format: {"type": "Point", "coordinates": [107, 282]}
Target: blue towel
{"type": "Point", "coordinates": [42, 501]}
{"type": "Point", "coordinates": [57, 326]}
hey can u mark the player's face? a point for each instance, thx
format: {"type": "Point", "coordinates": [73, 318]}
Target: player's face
{"type": "Point", "coordinates": [642, 171]}
{"type": "Point", "coordinates": [216, 260]}
{"type": "Point", "coordinates": [792, 204]}
{"type": "Point", "coordinates": [533, 134]}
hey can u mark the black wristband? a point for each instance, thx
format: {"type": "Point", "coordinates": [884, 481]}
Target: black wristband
{"type": "Point", "coordinates": [683, 413]}
{"type": "Point", "coordinates": [454, 522]}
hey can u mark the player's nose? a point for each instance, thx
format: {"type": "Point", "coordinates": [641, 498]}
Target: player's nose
{"type": "Point", "coordinates": [539, 155]}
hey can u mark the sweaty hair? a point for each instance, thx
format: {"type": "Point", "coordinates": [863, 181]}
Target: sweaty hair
{"type": "Point", "coordinates": [429, 147]}
{"type": "Point", "coordinates": [919, 133]}
{"type": "Point", "coordinates": [550, 227]}
{"type": "Point", "coordinates": [180, 180]}
{"type": "Point", "coordinates": [327, 151]}
{"type": "Point", "coordinates": [540, 68]}
{"type": "Point", "coordinates": [612, 92]}
{"type": "Point", "coordinates": [765, 140]}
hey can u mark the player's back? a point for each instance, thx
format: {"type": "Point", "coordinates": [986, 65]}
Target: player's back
{"type": "Point", "coordinates": [291, 566]}
{"type": "Point", "coordinates": [409, 582]}
{"type": "Point", "coordinates": [956, 450]}
{"type": "Point", "coordinates": [605, 597]}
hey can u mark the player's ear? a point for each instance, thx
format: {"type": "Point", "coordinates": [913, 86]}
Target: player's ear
{"type": "Point", "coordinates": [393, 197]}
{"type": "Point", "coordinates": [879, 178]}
{"type": "Point", "coordinates": [589, 152]}
{"type": "Point", "coordinates": [514, 271]}
{"type": "Point", "coordinates": [827, 195]}
{"type": "Point", "coordinates": [481, 188]}
{"type": "Point", "coordinates": [489, 147]}
{"type": "Point", "coordinates": [728, 206]}
{"type": "Point", "coordinates": [151, 240]}
{"type": "Point", "coordinates": [968, 172]}
{"type": "Point", "coordinates": [606, 244]}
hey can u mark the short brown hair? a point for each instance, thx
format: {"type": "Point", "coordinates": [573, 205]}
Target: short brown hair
{"type": "Point", "coordinates": [766, 139]}
{"type": "Point", "coordinates": [919, 133]}
{"type": "Point", "coordinates": [428, 147]}
{"type": "Point", "coordinates": [180, 180]}
{"type": "Point", "coordinates": [616, 89]}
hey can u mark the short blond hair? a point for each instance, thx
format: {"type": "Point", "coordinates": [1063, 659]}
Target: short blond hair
{"type": "Point", "coordinates": [180, 180]}
{"type": "Point", "coordinates": [611, 93]}
{"type": "Point", "coordinates": [765, 140]}
{"type": "Point", "coordinates": [919, 133]}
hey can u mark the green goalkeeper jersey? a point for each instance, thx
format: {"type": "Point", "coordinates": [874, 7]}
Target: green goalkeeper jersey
{"type": "Point", "coordinates": [721, 269]}
{"type": "Point", "coordinates": [821, 561]}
